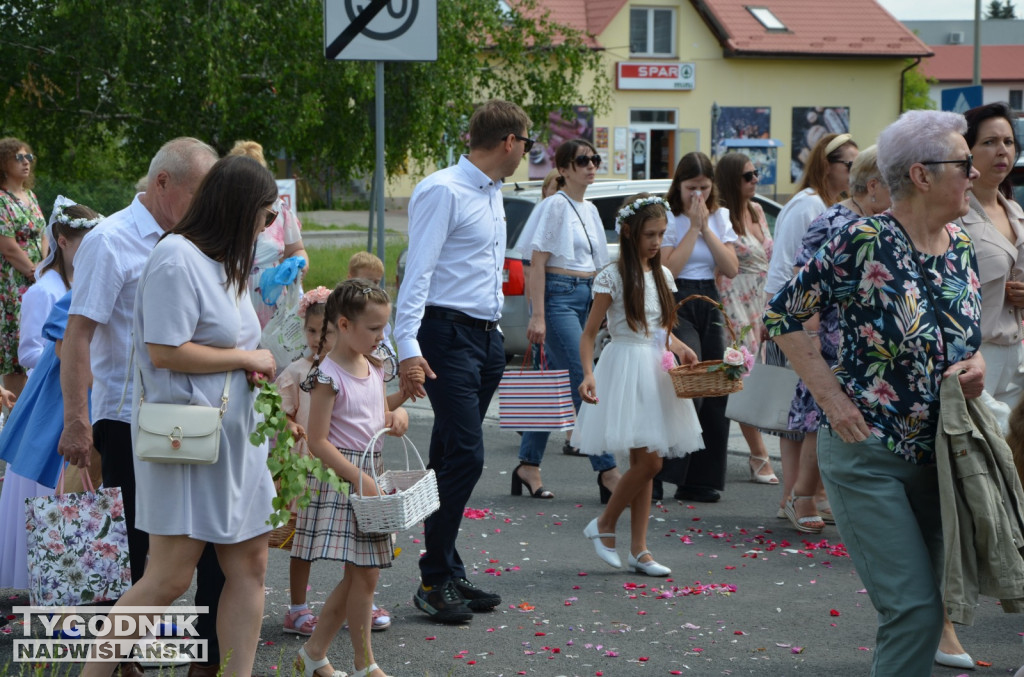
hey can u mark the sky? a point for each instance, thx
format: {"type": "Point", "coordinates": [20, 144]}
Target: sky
{"type": "Point", "coordinates": [932, 9]}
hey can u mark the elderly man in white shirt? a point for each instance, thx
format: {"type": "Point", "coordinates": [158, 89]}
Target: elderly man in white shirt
{"type": "Point", "coordinates": [447, 319]}
{"type": "Point", "coordinates": [97, 343]}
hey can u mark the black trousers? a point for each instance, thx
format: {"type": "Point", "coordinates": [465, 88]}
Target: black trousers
{"type": "Point", "coordinates": [113, 440]}
{"type": "Point", "coordinates": [701, 326]}
{"type": "Point", "coordinates": [468, 362]}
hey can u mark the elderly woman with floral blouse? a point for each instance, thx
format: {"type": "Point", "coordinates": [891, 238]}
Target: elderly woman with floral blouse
{"type": "Point", "coordinates": [906, 286]}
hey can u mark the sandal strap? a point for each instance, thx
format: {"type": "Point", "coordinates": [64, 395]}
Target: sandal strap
{"type": "Point", "coordinates": [596, 536]}
{"type": "Point", "coordinates": [641, 554]}
{"type": "Point", "coordinates": [367, 670]}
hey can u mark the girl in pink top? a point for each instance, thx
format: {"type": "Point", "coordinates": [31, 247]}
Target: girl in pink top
{"type": "Point", "coordinates": [347, 407]}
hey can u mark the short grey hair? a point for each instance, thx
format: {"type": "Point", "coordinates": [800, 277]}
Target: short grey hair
{"type": "Point", "coordinates": [177, 157]}
{"type": "Point", "coordinates": [865, 168]}
{"type": "Point", "coordinates": [917, 136]}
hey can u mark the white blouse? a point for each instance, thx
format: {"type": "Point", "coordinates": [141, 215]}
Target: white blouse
{"type": "Point", "coordinates": [571, 232]}
{"type": "Point", "coordinates": [701, 264]}
{"type": "Point", "coordinates": [36, 305]}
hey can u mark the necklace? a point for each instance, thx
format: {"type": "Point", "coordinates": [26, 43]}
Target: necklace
{"type": "Point", "coordinates": [860, 209]}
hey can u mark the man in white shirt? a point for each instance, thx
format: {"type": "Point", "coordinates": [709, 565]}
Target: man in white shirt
{"type": "Point", "coordinates": [97, 342]}
{"type": "Point", "coordinates": [448, 311]}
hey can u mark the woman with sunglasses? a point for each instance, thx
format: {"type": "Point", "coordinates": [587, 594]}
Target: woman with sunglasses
{"type": "Point", "coordinates": [825, 179]}
{"type": "Point", "coordinates": [699, 244]}
{"type": "Point", "coordinates": [22, 246]}
{"type": "Point", "coordinates": [564, 239]}
{"type": "Point", "coordinates": [996, 226]}
{"type": "Point", "coordinates": [743, 296]}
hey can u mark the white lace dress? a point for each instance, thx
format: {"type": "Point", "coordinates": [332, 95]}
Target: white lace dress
{"type": "Point", "coordinates": [637, 405]}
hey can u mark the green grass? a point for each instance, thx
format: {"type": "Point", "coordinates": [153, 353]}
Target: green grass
{"type": "Point", "coordinates": [315, 226]}
{"type": "Point", "coordinates": [329, 265]}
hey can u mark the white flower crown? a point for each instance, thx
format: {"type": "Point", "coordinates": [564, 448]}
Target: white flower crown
{"type": "Point", "coordinates": [636, 205]}
{"type": "Point", "coordinates": [58, 215]}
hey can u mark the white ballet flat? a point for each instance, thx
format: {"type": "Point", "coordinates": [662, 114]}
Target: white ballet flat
{"type": "Point", "coordinates": [365, 671]}
{"type": "Point", "coordinates": [954, 660]}
{"type": "Point", "coordinates": [607, 555]}
{"type": "Point", "coordinates": [650, 568]}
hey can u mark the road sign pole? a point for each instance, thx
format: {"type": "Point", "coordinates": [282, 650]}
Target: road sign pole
{"type": "Point", "coordinates": [379, 170]}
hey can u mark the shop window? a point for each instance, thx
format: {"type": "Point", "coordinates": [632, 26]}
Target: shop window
{"type": "Point", "coordinates": [652, 31]}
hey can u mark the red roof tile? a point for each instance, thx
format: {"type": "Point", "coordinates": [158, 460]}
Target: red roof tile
{"type": "Point", "coordinates": [833, 28]}
{"type": "Point", "coordinates": [955, 63]}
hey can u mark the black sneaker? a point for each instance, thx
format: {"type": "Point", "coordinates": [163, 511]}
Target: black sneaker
{"type": "Point", "coordinates": [475, 598]}
{"type": "Point", "coordinates": [442, 603]}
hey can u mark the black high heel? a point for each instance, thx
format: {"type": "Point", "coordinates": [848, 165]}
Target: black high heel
{"type": "Point", "coordinates": [604, 491]}
{"type": "Point", "coordinates": [518, 483]}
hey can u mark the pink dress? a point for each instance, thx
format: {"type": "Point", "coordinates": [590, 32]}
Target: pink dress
{"type": "Point", "coordinates": [270, 246]}
{"type": "Point", "coordinates": [743, 296]}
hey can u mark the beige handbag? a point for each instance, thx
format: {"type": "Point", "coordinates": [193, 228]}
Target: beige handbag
{"type": "Point", "coordinates": [179, 433]}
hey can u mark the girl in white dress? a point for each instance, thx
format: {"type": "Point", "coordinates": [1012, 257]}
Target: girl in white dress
{"type": "Point", "coordinates": [635, 410]}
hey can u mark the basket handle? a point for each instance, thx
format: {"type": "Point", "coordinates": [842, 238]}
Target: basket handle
{"type": "Point", "coordinates": [716, 304]}
{"type": "Point", "coordinates": [406, 443]}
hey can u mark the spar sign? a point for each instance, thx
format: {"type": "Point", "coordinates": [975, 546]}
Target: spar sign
{"type": "Point", "coordinates": [655, 75]}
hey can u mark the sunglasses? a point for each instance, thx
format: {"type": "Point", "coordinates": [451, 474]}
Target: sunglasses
{"type": "Point", "coordinates": [527, 143]}
{"type": "Point", "coordinates": [270, 216]}
{"type": "Point", "coordinates": [750, 176]}
{"type": "Point", "coordinates": [967, 164]}
{"type": "Point", "coordinates": [584, 160]}
{"type": "Point", "coordinates": [25, 157]}
{"type": "Point", "coordinates": [847, 163]}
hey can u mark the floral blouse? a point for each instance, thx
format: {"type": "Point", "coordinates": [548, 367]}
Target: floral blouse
{"type": "Point", "coordinates": [900, 330]}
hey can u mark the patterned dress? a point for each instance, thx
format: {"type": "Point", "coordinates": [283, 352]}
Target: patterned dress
{"type": "Point", "coordinates": [743, 296]}
{"type": "Point", "coordinates": [26, 224]}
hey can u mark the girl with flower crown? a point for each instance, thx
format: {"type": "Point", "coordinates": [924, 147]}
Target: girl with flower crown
{"type": "Point", "coordinates": [635, 411]}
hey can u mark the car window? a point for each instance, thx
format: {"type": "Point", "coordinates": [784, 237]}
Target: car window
{"type": "Point", "coordinates": [608, 207]}
{"type": "Point", "coordinates": [516, 213]}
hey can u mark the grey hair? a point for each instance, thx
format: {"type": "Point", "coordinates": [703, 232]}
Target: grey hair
{"type": "Point", "coordinates": [917, 136]}
{"type": "Point", "coordinates": [865, 168]}
{"type": "Point", "coordinates": [177, 158]}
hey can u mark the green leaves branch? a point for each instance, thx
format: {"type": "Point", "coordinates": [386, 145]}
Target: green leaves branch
{"type": "Point", "coordinates": [287, 468]}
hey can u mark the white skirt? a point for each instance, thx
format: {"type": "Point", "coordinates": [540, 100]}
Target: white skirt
{"type": "Point", "coordinates": [13, 536]}
{"type": "Point", "coordinates": [636, 406]}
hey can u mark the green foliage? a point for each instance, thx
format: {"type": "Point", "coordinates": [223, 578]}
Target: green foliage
{"type": "Point", "coordinates": [916, 86]}
{"type": "Point", "coordinates": [288, 469]}
{"type": "Point", "coordinates": [1000, 10]}
{"type": "Point", "coordinates": [93, 85]}
{"type": "Point", "coordinates": [329, 265]}
{"type": "Point", "coordinates": [105, 195]}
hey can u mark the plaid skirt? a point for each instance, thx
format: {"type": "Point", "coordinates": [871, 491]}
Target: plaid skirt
{"type": "Point", "coordinates": [327, 528]}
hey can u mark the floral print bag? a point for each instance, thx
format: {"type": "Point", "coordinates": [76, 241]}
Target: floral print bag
{"type": "Point", "coordinates": [77, 546]}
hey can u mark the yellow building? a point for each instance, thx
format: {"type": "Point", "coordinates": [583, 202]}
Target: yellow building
{"type": "Point", "coordinates": [788, 70]}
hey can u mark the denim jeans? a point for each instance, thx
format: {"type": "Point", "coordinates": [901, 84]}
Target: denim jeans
{"type": "Point", "coordinates": [566, 304]}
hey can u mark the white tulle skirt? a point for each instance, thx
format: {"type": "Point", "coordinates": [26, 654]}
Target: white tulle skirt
{"type": "Point", "coordinates": [637, 406]}
{"type": "Point", "coordinates": [13, 536]}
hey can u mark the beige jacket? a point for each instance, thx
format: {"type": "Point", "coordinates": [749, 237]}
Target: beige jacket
{"type": "Point", "coordinates": [982, 506]}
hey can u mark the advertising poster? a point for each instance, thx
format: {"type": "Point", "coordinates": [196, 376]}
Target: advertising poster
{"type": "Point", "coordinates": [560, 129]}
{"type": "Point", "coordinates": [600, 137]}
{"type": "Point", "coordinates": [740, 122]}
{"type": "Point", "coordinates": [809, 125]}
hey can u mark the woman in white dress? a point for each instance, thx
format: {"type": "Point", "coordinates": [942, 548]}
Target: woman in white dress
{"type": "Point", "coordinates": [195, 326]}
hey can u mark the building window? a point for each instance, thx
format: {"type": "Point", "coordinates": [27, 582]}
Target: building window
{"type": "Point", "coordinates": [1017, 99]}
{"type": "Point", "coordinates": [767, 19]}
{"type": "Point", "coordinates": [652, 32]}
{"type": "Point", "coordinates": [646, 116]}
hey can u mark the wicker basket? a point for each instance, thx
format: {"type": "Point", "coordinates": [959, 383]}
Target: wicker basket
{"type": "Point", "coordinates": [695, 380]}
{"type": "Point", "coordinates": [281, 537]}
{"type": "Point", "coordinates": [407, 496]}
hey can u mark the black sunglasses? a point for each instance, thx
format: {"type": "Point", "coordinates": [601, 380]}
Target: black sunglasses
{"type": "Point", "coordinates": [848, 163]}
{"type": "Point", "coordinates": [750, 176]}
{"type": "Point", "coordinates": [527, 143]}
{"type": "Point", "coordinates": [584, 160]}
{"type": "Point", "coordinates": [270, 216]}
{"type": "Point", "coordinates": [967, 164]}
{"type": "Point", "coordinates": [22, 157]}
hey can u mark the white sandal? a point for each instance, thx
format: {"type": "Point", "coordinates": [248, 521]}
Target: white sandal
{"type": "Point", "coordinates": [308, 667]}
{"type": "Point", "coordinates": [367, 670]}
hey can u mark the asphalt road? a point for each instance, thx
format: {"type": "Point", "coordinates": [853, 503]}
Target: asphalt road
{"type": "Point", "coordinates": [748, 594]}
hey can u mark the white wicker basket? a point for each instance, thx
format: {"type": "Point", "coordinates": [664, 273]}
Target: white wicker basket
{"type": "Point", "coordinates": [407, 496]}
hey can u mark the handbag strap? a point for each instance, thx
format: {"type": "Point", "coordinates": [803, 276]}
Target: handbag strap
{"type": "Point", "coordinates": [541, 360]}
{"type": "Point", "coordinates": [86, 479]}
{"type": "Point", "coordinates": [582, 223]}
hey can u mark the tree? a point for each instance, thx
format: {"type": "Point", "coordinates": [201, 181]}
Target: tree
{"type": "Point", "coordinates": [1000, 10]}
{"type": "Point", "coordinates": [85, 80]}
{"type": "Point", "coordinates": [916, 88]}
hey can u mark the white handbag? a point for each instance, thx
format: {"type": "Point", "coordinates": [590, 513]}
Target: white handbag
{"type": "Point", "coordinates": [766, 398]}
{"type": "Point", "coordinates": [180, 433]}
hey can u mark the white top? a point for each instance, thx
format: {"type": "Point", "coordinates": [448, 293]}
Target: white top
{"type": "Point", "coordinates": [35, 308]}
{"type": "Point", "coordinates": [701, 264]}
{"type": "Point", "coordinates": [182, 297]}
{"type": "Point", "coordinates": [107, 269]}
{"type": "Point", "coordinates": [456, 250]}
{"type": "Point", "coordinates": [608, 281]}
{"type": "Point", "coordinates": [556, 228]}
{"type": "Point", "coordinates": [790, 228]}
